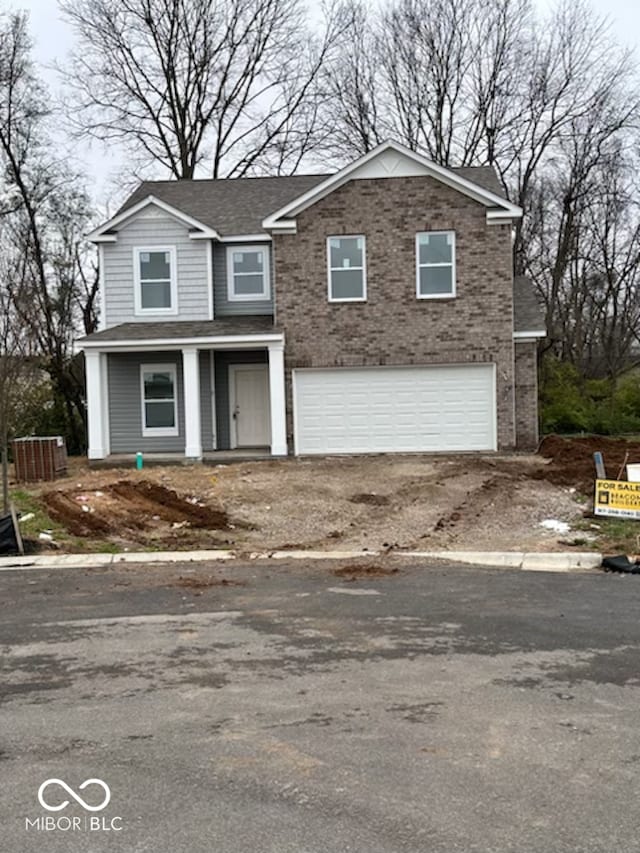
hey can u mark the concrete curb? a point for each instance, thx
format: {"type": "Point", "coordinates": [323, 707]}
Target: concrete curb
{"type": "Point", "coordinates": [532, 561]}
{"type": "Point", "coordinates": [98, 561]}
{"type": "Point", "coordinates": [527, 561]}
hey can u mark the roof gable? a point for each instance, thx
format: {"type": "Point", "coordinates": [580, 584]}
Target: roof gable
{"type": "Point", "coordinates": [104, 234]}
{"type": "Point", "coordinates": [390, 160]}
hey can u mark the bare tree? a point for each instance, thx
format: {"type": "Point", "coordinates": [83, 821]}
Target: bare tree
{"type": "Point", "coordinates": [441, 76]}
{"type": "Point", "coordinates": [226, 85]}
{"type": "Point", "coordinates": [352, 104]}
{"type": "Point", "coordinates": [46, 214]}
{"type": "Point", "coordinates": [15, 362]}
{"type": "Point", "coordinates": [583, 239]}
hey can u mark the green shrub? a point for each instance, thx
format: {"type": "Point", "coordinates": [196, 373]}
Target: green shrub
{"type": "Point", "coordinates": [569, 403]}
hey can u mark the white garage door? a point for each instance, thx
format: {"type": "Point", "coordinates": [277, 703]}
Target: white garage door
{"type": "Point", "coordinates": [394, 409]}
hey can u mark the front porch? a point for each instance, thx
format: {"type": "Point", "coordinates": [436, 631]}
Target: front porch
{"type": "Point", "coordinates": [185, 392]}
{"type": "Point", "coordinates": [158, 460]}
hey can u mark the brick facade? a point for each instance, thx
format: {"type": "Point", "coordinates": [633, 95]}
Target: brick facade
{"type": "Point", "coordinates": [526, 395]}
{"type": "Point", "coordinates": [393, 327]}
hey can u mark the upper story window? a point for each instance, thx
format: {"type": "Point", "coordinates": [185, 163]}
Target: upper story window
{"type": "Point", "coordinates": [248, 273]}
{"type": "Point", "coordinates": [436, 264]}
{"type": "Point", "coordinates": [347, 269]}
{"type": "Point", "coordinates": [155, 280]}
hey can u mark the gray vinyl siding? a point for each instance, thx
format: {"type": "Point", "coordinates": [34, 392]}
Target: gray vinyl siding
{"type": "Point", "coordinates": [125, 404]}
{"type": "Point", "coordinates": [222, 306]}
{"type": "Point", "coordinates": [222, 362]}
{"type": "Point", "coordinates": [206, 409]}
{"type": "Point", "coordinates": [192, 270]}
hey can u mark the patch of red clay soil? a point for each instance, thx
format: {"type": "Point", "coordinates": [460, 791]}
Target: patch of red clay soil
{"type": "Point", "coordinates": [571, 460]}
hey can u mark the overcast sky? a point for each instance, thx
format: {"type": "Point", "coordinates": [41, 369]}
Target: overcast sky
{"type": "Point", "coordinates": [53, 38]}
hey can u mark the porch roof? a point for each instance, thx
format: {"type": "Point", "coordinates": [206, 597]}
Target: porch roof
{"type": "Point", "coordinates": [260, 330]}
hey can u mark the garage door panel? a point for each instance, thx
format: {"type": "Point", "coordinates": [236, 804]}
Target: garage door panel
{"type": "Point", "coordinates": [374, 410]}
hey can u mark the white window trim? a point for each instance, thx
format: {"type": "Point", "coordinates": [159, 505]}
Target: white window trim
{"type": "Point", "coordinates": [148, 312]}
{"type": "Point", "coordinates": [232, 296]}
{"type": "Point", "coordinates": [150, 432]}
{"type": "Point", "coordinates": [330, 269]}
{"type": "Point", "coordinates": [420, 266]}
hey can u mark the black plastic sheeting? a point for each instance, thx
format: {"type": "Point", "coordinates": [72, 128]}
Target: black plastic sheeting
{"type": "Point", "coordinates": [621, 563]}
{"type": "Point", "coordinates": [9, 536]}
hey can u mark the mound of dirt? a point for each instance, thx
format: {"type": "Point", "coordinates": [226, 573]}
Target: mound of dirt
{"type": "Point", "coordinates": [202, 582]}
{"type": "Point", "coordinates": [354, 571]}
{"type": "Point", "coordinates": [571, 460]}
{"type": "Point", "coordinates": [63, 509]}
{"type": "Point", "coordinates": [129, 506]}
{"type": "Point", "coordinates": [369, 498]}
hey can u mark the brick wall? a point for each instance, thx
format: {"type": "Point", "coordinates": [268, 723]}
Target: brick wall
{"type": "Point", "coordinates": [393, 327]}
{"type": "Point", "coordinates": [526, 396]}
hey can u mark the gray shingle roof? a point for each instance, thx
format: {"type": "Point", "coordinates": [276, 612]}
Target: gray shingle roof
{"type": "Point", "coordinates": [485, 176]}
{"type": "Point", "coordinates": [528, 309]}
{"type": "Point", "coordinates": [228, 205]}
{"type": "Point", "coordinates": [238, 205]}
{"type": "Point", "coordinates": [185, 329]}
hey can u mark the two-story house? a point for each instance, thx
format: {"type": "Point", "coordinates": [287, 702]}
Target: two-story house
{"type": "Point", "coordinates": [372, 310]}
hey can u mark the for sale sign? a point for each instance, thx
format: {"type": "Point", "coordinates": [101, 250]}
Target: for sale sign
{"type": "Point", "coordinates": [617, 498]}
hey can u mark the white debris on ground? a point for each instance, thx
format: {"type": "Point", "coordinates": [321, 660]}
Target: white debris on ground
{"type": "Point", "coordinates": [556, 526]}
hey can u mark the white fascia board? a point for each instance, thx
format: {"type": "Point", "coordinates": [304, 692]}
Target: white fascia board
{"type": "Point", "coordinates": [98, 234]}
{"type": "Point", "coordinates": [246, 238]}
{"type": "Point", "coordinates": [446, 176]}
{"type": "Point", "coordinates": [209, 342]}
{"type": "Point", "coordinates": [285, 226]}
{"type": "Point", "coordinates": [103, 238]}
{"type": "Point", "coordinates": [529, 336]}
{"type": "Point", "coordinates": [506, 213]}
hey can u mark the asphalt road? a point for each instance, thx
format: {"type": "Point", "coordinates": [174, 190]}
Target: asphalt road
{"type": "Point", "coordinates": [437, 709]}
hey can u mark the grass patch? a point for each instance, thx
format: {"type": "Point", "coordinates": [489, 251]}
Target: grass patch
{"type": "Point", "coordinates": [27, 502]}
{"type": "Point", "coordinates": [614, 534]}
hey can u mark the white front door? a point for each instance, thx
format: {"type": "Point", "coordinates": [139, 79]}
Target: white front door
{"type": "Point", "coordinates": [249, 401]}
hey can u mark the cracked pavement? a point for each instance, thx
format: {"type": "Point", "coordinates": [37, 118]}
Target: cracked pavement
{"type": "Point", "coordinates": [290, 710]}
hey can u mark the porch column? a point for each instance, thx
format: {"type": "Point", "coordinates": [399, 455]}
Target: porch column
{"type": "Point", "coordinates": [192, 417]}
{"type": "Point", "coordinates": [277, 398]}
{"type": "Point", "coordinates": [97, 403]}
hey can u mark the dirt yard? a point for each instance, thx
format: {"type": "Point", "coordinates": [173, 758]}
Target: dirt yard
{"type": "Point", "coordinates": [377, 503]}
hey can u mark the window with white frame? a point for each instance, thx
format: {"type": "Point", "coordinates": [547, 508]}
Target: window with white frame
{"type": "Point", "coordinates": [436, 264]}
{"type": "Point", "coordinates": [248, 273]}
{"type": "Point", "coordinates": [155, 278]}
{"type": "Point", "coordinates": [347, 269]}
{"type": "Point", "coordinates": [159, 399]}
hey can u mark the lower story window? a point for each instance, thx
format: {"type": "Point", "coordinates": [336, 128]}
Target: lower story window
{"type": "Point", "coordinates": [159, 403]}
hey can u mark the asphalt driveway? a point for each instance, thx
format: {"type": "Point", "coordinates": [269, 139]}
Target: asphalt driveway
{"type": "Point", "coordinates": [290, 710]}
